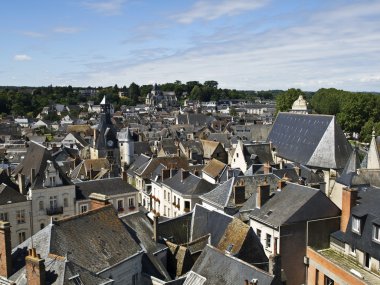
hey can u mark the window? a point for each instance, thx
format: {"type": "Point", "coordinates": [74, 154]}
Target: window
{"type": "Point", "coordinates": [237, 154]}
{"type": "Point", "coordinates": [164, 194]}
{"type": "Point", "coordinates": [131, 202]}
{"type": "Point", "coordinates": [120, 205]}
{"type": "Point", "coordinates": [42, 225]}
{"type": "Point", "coordinates": [41, 205]}
{"type": "Point", "coordinates": [328, 281]}
{"type": "Point", "coordinates": [356, 224]}
{"type": "Point", "coordinates": [52, 181]}
{"type": "Point", "coordinates": [367, 260]}
{"type": "Point", "coordinates": [258, 233]}
{"type": "Point", "coordinates": [376, 233]}
{"type": "Point", "coordinates": [4, 217]}
{"type": "Point", "coordinates": [164, 210]}
{"type": "Point", "coordinates": [353, 249]}
{"type": "Point", "coordinates": [53, 202]}
{"type": "Point", "coordinates": [83, 208]}
{"type": "Point", "coordinates": [268, 241]}
{"type": "Point", "coordinates": [20, 216]}
{"type": "Point", "coordinates": [187, 205]}
{"type": "Point", "coordinates": [65, 202]}
{"type": "Point", "coordinates": [21, 237]}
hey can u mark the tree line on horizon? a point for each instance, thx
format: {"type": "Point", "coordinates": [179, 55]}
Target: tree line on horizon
{"type": "Point", "coordinates": [356, 112]}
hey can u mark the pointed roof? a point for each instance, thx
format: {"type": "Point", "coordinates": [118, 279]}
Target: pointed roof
{"type": "Point", "coordinates": [103, 102]}
{"type": "Point", "coordinates": [349, 176]}
{"type": "Point", "coordinates": [220, 196]}
{"type": "Point", "coordinates": [311, 140]}
{"type": "Point", "coordinates": [373, 160]}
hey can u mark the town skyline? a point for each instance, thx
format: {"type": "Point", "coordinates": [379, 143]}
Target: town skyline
{"type": "Point", "coordinates": [245, 45]}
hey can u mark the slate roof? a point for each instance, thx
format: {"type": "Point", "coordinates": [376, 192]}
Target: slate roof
{"type": "Point", "coordinates": [139, 224]}
{"type": "Point", "coordinates": [191, 185]}
{"type": "Point", "coordinates": [368, 210]}
{"type": "Point", "coordinates": [219, 268]}
{"type": "Point", "coordinates": [109, 187]}
{"type": "Point", "coordinates": [349, 176]}
{"type": "Point", "coordinates": [139, 161]}
{"type": "Point", "coordinates": [176, 229]}
{"type": "Point", "coordinates": [36, 158]}
{"type": "Point", "coordinates": [220, 195]}
{"type": "Point", "coordinates": [195, 119]}
{"type": "Point", "coordinates": [257, 153]}
{"type": "Point", "coordinates": [9, 195]}
{"type": "Point", "coordinates": [206, 222]}
{"type": "Point", "coordinates": [306, 204]}
{"type": "Point", "coordinates": [146, 170]}
{"type": "Point", "coordinates": [312, 140]}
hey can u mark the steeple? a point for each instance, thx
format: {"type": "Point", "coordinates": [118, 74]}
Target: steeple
{"type": "Point", "coordinates": [373, 154]}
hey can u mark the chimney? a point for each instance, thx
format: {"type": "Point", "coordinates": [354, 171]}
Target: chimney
{"type": "Point", "coordinates": [35, 268]}
{"type": "Point", "coordinates": [184, 174]}
{"type": "Point", "coordinates": [267, 168]}
{"type": "Point", "coordinates": [349, 197]}
{"type": "Point", "coordinates": [5, 249]}
{"type": "Point", "coordinates": [32, 175]}
{"type": "Point", "coordinates": [281, 184]}
{"type": "Point", "coordinates": [21, 183]}
{"type": "Point", "coordinates": [282, 164]}
{"type": "Point", "coordinates": [262, 195]}
{"type": "Point", "coordinates": [297, 170]}
{"type": "Point", "coordinates": [165, 174]}
{"type": "Point", "coordinates": [98, 200]}
{"type": "Point", "coordinates": [239, 192]}
{"type": "Point", "coordinates": [155, 228]}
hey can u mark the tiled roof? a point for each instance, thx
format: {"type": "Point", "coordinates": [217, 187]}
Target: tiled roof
{"type": "Point", "coordinates": [9, 195]}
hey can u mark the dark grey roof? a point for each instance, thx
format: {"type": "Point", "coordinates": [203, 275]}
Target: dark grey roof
{"type": "Point", "coordinates": [177, 229]}
{"type": "Point", "coordinates": [349, 176]}
{"type": "Point", "coordinates": [257, 153]}
{"type": "Point", "coordinates": [206, 222]}
{"type": "Point", "coordinates": [295, 203]}
{"type": "Point", "coordinates": [140, 160]}
{"type": "Point", "coordinates": [109, 187]}
{"type": "Point", "coordinates": [37, 157]}
{"type": "Point", "coordinates": [195, 119]}
{"type": "Point", "coordinates": [9, 195]}
{"type": "Point", "coordinates": [219, 268]}
{"type": "Point", "coordinates": [139, 224]}
{"type": "Point", "coordinates": [368, 210]}
{"type": "Point", "coordinates": [312, 140]}
{"type": "Point", "coordinates": [191, 185]}
{"type": "Point", "coordinates": [220, 196]}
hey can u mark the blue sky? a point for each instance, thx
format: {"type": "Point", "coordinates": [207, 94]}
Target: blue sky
{"type": "Point", "coordinates": [242, 44]}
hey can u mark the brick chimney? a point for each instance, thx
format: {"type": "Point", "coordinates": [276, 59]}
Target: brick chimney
{"type": "Point", "coordinates": [349, 197]}
{"type": "Point", "coordinates": [184, 174]}
{"type": "Point", "coordinates": [262, 195]}
{"type": "Point", "coordinates": [98, 201]}
{"type": "Point", "coordinates": [35, 268]}
{"type": "Point", "coordinates": [267, 168]}
{"type": "Point", "coordinates": [239, 192]}
{"type": "Point", "coordinates": [5, 249]}
{"type": "Point", "coordinates": [165, 174]}
{"type": "Point", "coordinates": [281, 184]}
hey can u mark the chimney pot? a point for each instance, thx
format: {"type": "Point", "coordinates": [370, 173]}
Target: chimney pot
{"type": "Point", "coordinates": [262, 195]}
{"type": "Point", "coordinates": [35, 268]}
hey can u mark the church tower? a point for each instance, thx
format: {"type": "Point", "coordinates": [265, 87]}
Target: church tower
{"type": "Point", "coordinates": [126, 147]}
{"type": "Point", "coordinates": [105, 144]}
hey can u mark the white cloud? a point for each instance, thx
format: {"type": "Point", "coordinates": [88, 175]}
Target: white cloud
{"type": "Point", "coordinates": [106, 7]}
{"type": "Point", "coordinates": [22, 57]}
{"type": "Point", "coordinates": [210, 10]}
{"type": "Point", "coordinates": [33, 34]}
{"type": "Point", "coordinates": [66, 30]}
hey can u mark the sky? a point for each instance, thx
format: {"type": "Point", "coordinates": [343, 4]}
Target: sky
{"type": "Point", "coordinates": [242, 44]}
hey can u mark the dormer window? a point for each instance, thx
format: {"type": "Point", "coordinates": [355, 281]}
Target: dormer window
{"type": "Point", "coordinates": [356, 224]}
{"type": "Point", "coordinates": [376, 233]}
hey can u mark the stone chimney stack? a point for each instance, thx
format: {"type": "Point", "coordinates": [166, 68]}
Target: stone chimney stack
{"type": "Point", "coordinates": [267, 168]}
{"type": "Point", "coordinates": [155, 228]}
{"type": "Point", "coordinates": [21, 183]}
{"type": "Point", "coordinates": [281, 184]}
{"type": "Point", "coordinates": [5, 249]}
{"type": "Point", "coordinates": [349, 197]}
{"type": "Point", "coordinates": [98, 201]}
{"type": "Point", "coordinates": [35, 268]}
{"type": "Point", "coordinates": [275, 261]}
{"type": "Point", "coordinates": [262, 195]}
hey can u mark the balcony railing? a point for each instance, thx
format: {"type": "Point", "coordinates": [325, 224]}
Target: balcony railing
{"type": "Point", "coordinates": [54, 211]}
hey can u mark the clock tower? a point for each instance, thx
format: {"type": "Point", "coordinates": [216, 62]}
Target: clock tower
{"type": "Point", "coordinates": [105, 144]}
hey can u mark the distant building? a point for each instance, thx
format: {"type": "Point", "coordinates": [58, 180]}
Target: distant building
{"type": "Point", "coordinates": [300, 106]}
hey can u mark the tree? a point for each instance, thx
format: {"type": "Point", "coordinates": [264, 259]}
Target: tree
{"type": "Point", "coordinates": [285, 100]}
{"type": "Point", "coordinates": [196, 93]}
{"type": "Point", "coordinates": [366, 131]}
{"type": "Point", "coordinates": [134, 92]}
{"type": "Point", "coordinates": [211, 84]}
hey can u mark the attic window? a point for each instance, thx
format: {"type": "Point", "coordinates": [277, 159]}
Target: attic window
{"type": "Point", "coordinates": [229, 247]}
{"type": "Point", "coordinates": [376, 233]}
{"type": "Point", "coordinates": [269, 212]}
{"type": "Point", "coordinates": [356, 224]}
